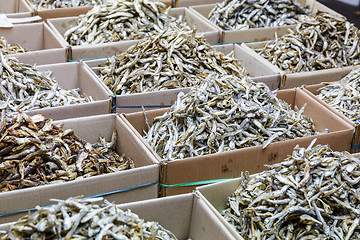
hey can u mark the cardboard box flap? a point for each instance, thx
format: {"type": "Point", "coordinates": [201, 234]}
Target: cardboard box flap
{"type": "Point", "coordinates": [48, 56]}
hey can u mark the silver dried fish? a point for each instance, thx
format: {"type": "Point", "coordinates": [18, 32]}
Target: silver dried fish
{"type": "Point", "coordinates": [8, 48]}
{"type": "Point", "coordinates": [76, 218]}
{"type": "Point", "coordinates": [319, 42]}
{"type": "Point", "coordinates": [23, 87]}
{"type": "Point", "coordinates": [225, 113]}
{"type": "Point", "coordinates": [313, 194]}
{"type": "Point", "coordinates": [120, 20]}
{"type": "Point", "coordinates": [52, 4]}
{"type": "Point", "coordinates": [173, 58]}
{"type": "Point", "coordinates": [344, 95]}
{"type": "Point", "coordinates": [34, 151]}
{"type": "Point", "coordinates": [245, 14]}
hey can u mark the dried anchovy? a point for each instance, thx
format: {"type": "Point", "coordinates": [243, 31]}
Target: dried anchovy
{"type": "Point", "coordinates": [245, 14]}
{"type": "Point", "coordinates": [8, 48]}
{"type": "Point", "coordinates": [344, 95]}
{"type": "Point", "coordinates": [76, 218]}
{"type": "Point", "coordinates": [222, 114]}
{"type": "Point", "coordinates": [172, 59]}
{"type": "Point", "coordinates": [23, 87]}
{"type": "Point", "coordinates": [313, 194]}
{"type": "Point", "coordinates": [34, 151]}
{"type": "Point", "coordinates": [320, 42]}
{"type": "Point", "coordinates": [120, 20]}
{"type": "Point", "coordinates": [52, 4]}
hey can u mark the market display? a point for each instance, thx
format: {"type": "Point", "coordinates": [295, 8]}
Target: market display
{"type": "Point", "coordinates": [76, 218]}
{"type": "Point", "coordinates": [34, 151]}
{"type": "Point", "coordinates": [7, 48]}
{"type": "Point", "coordinates": [52, 4]}
{"type": "Point", "coordinates": [225, 113]}
{"type": "Point", "coordinates": [120, 20]}
{"type": "Point", "coordinates": [245, 14]}
{"type": "Point", "coordinates": [344, 95]}
{"type": "Point", "coordinates": [313, 194]}
{"type": "Point", "coordinates": [321, 42]}
{"type": "Point", "coordinates": [171, 59]}
{"type": "Point", "coordinates": [23, 87]}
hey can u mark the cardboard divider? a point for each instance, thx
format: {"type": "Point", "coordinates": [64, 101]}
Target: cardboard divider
{"type": "Point", "coordinates": [61, 25]}
{"type": "Point", "coordinates": [186, 216]}
{"type": "Point", "coordinates": [70, 76]}
{"type": "Point", "coordinates": [14, 6]}
{"type": "Point", "coordinates": [230, 164]}
{"type": "Point", "coordinates": [256, 34]}
{"type": "Point", "coordinates": [189, 3]}
{"type": "Point", "coordinates": [146, 171]}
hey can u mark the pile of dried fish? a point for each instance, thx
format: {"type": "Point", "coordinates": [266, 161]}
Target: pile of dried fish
{"type": "Point", "coordinates": [222, 114]}
{"type": "Point", "coordinates": [23, 87]}
{"type": "Point", "coordinates": [313, 194]}
{"type": "Point", "coordinates": [171, 59]}
{"type": "Point", "coordinates": [120, 20]}
{"type": "Point", "coordinates": [34, 151]}
{"type": "Point", "coordinates": [320, 42]}
{"type": "Point", "coordinates": [245, 14]}
{"type": "Point", "coordinates": [344, 95]}
{"type": "Point", "coordinates": [76, 218]}
{"type": "Point", "coordinates": [7, 48]}
{"type": "Point", "coordinates": [52, 4]}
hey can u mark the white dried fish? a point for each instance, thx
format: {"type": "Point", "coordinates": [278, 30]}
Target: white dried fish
{"type": "Point", "coordinates": [52, 4]}
{"type": "Point", "coordinates": [7, 48]}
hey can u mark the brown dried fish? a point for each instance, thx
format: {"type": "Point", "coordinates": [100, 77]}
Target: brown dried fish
{"type": "Point", "coordinates": [313, 194]}
{"type": "Point", "coordinates": [174, 58]}
{"type": "Point", "coordinates": [76, 218]}
{"type": "Point", "coordinates": [23, 87]}
{"type": "Point", "coordinates": [225, 113]}
{"type": "Point", "coordinates": [34, 151]}
{"type": "Point", "coordinates": [319, 42]}
{"type": "Point", "coordinates": [8, 48]}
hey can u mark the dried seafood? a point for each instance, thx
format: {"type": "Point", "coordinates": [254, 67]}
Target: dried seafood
{"type": "Point", "coordinates": [23, 87]}
{"type": "Point", "coordinates": [313, 194]}
{"type": "Point", "coordinates": [120, 20]}
{"type": "Point", "coordinates": [76, 218]}
{"type": "Point", "coordinates": [8, 48]}
{"type": "Point", "coordinates": [245, 14]}
{"type": "Point", "coordinates": [320, 42]}
{"type": "Point", "coordinates": [344, 96]}
{"type": "Point", "coordinates": [34, 151]}
{"type": "Point", "coordinates": [222, 114]}
{"type": "Point", "coordinates": [52, 4]}
{"type": "Point", "coordinates": [171, 59]}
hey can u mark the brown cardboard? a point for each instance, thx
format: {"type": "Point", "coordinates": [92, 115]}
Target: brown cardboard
{"type": "Point", "coordinates": [14, 6]}
{"type": "Point", "coordinates": [258, 34]}
{"type": "Point", "coordinates": [61, 25]}
{"type": "Point", "coordinates": [75, 75]}
{"type": "Point", "coordinates": [186, 216]}
{"type": "Point", "coordinates": [146, 171]}
{"type": "Point", "coordinates": [230, 164]}
{"type": "Point", "coordinates": [188, 3]}
{"type": "Point", "coordinates": [43, 46]}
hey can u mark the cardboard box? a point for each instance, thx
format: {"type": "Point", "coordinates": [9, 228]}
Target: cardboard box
{"type": "Point", "coordinates": [39, 39]}
{"type": "Point", "coordinates": [146, 171]}
{"type": "Point", "coordinates": [61, 25]}
{"type": "Point", "coordinates": [14, 6]}
{"type": "Point", "coordinates": [134, 102]}
{"type": "Point", "coordinates": [230, 164]}
{"type": "Point", "coordinates": [255, 34]}
{"type": "Point", "coordinates": [188, 3]}
{"type": "Point", "coordinates": [291, 80]}
{"type": "Point", "coordinates": [187, 216]}
{"type": "Point", "coordinates": [70, 76]}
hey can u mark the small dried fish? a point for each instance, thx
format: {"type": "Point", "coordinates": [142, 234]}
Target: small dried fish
{"type": "Point", "coordinates": [52, 4]}
{"type": "Point", "coordinates": [23, 87]}
{"type": "Point", "coordinates": [76, 218]}
{"type": "Point", "coordinates": [120, 20]}
{"type": "Point", "coordinates": [319, 42]}
{"type": "Point", "coordinates": [245, 14]}
{"type": "Point", "coordinates": [344, 95]}
{"type": "Point", "coordinates": [171, 59]}
{"type": "Point", "coordinates": [34, 151]}
{"type": "Point", "coordinates": [8, 48]}
{"type": "Point", "coordinates": [313, 194]}
{"type": "Point", "coordinates": [225, 113]}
